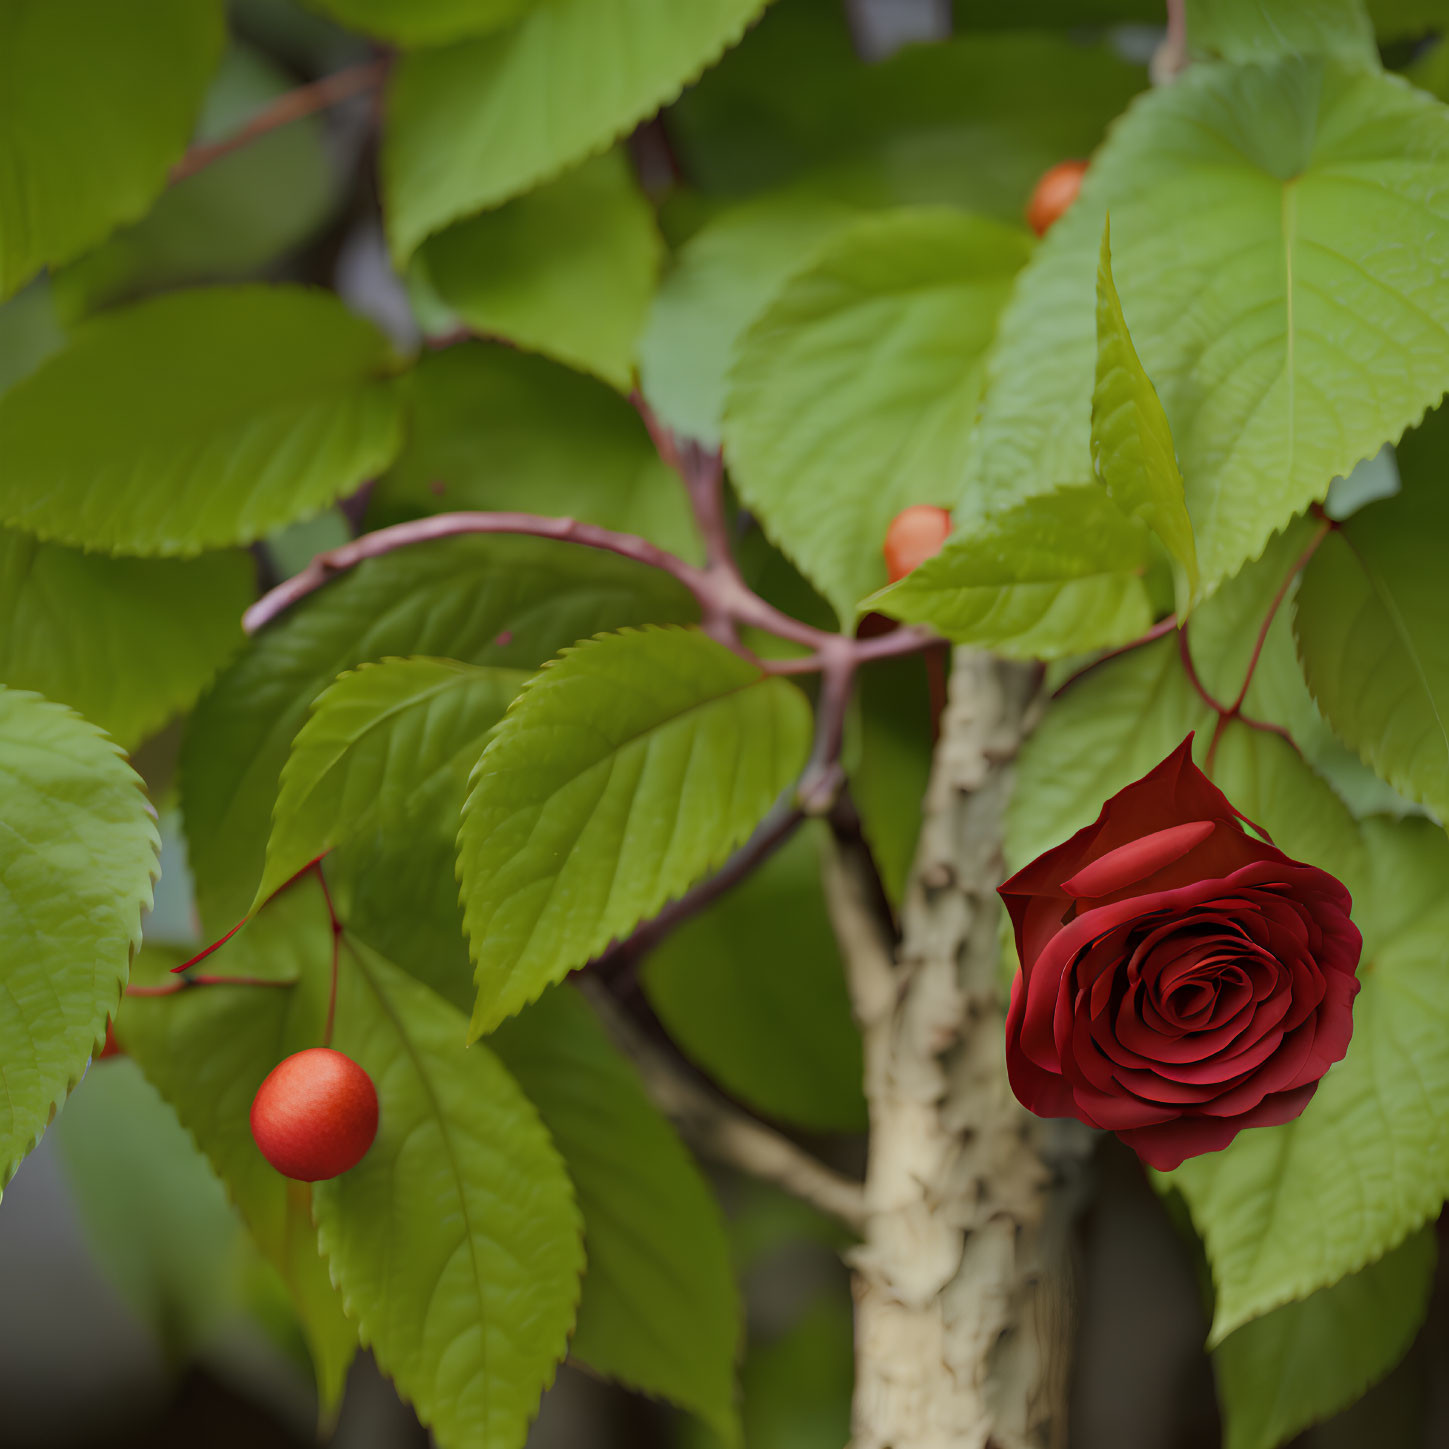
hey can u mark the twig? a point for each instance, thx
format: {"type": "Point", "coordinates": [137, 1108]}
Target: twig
{"type": "Point", "coordinates": [720, 1131]}
{"type": "Point", "coordinates": [294, 105]}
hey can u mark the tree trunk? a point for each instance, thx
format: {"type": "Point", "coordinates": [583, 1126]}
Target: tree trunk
{"type": "Point", "coordinates": [963, 1283]}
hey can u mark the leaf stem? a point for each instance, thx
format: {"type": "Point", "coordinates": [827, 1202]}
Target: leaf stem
{"type": "Point", "coordinates": [185, 983]}
{"type": "Point", "coordinates": [291, 106]}
{"type": "Point", "coordinates": [336, 926]}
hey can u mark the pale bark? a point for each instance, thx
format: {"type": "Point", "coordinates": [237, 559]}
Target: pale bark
{"type": "Point", "coordinates": [963, 1282]}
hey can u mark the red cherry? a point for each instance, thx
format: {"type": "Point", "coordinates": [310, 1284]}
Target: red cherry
{"type": "Point", "coordinates": [916, 534]}
{"type": "Point", "coordinates": [1053, 194]}
{"type": "Point", "coordinates": [112, 1048]}
{"type": "Point", "coordinates": [315, 1115]}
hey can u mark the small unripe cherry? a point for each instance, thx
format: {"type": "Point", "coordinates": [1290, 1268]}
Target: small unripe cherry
{"type": "Point", "coordinates": [916, 534]}
{"type": "Point", "coordinates": [315, 1115]}
{"type": "Point", "coordinates": [1053, 194]}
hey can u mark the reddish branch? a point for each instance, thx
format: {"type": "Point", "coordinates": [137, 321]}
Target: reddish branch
{"type": "Point", "coordinates": [292, 106]}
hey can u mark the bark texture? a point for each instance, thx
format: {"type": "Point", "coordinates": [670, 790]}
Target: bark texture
{"type": "Point", "coordinates": [963, 1280]}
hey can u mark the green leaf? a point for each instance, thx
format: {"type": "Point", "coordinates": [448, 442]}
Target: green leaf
{"type": "Point", "coordinates": [153, 1210]}
{"type": "Point", "coordinates": [626, 770]}
{"type": "Point", "coordinates": [373, 743]}
{"type": "Point", "coordinates": [720, 281]}
{"type": "Point", "coordinates": [456, 1241]}
{"type": "Point", "coordinates": [1258, 30]}
{"type": "Point", "coordinates": [1370, 627]}
{"type": "Point", "coordinates": [888, 781]}
{"type": "Point", "coordinates": [971, 122]}
{"type": "Point", "coordinates": [1053, 575]}
{"type": "Point", "coordinates": [30, 331]}
{"type": "Point", "coordinates": [854, 393]}
{"type": "Point", "coordinates": [509, 603]}
{"type": "Point", "coordinates": [126, 642]}
{"type": "Point", "coordinates": [77, 858]}
{"type": "Point", "coordinates": [425, 22]}
{"type": "Point", "coordinates": [754, 991]}
{"type": "Point", "coordinates": [1132, 450]}
{"type": "Point", "coordinates": [1106, 729]}
{"type": "Point", "coordinates": [567, 270]}
{"type": "Point", "coordinates": [228, 219]}
{"type": "Point", "coordinates": [1306, 1361]}
{"type": "Point", "coordinates": [660, 1310]}
{"type": "Point", "coordinates": [198, 420]}
{"type": "Point", "coordinates": [207, 1051]}
{"type": "Point", "coordinates": [493, 428]}
{"type": "Point", "coordinates": [1287, 1210]}
{"type": "Point", "coordinates": [100, 100]}
{"type": "Point", "coordinates": [1249, 206]}
{"type": "Point", "coordinates": [473, 124]}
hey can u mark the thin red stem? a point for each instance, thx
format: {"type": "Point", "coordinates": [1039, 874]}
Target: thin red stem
{"type": "Point", "coordinates": [207, 950]}
{"type": "Point", "coordinates": [1325, 527]}
{"type": "Point", "coordinates": [1159, 630]}
{"type": "Point", "coordinates": [306, 100]}
{"type": "Point", "coordinates": [1185, 653]}
{"type": "Point", "coordinates": [185, 983]}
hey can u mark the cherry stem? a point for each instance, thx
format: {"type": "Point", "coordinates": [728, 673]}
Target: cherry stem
{"type": "Point", "coordinates": [185, 983]}
{"type": "Point", "coordinates": [293, 105]}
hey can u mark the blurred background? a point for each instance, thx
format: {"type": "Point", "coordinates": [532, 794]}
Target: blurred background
{"type": "Point", "coordinates": [136, 1313]}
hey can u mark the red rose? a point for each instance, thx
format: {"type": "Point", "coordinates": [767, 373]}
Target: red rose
{"type": "Point", "coordinates": [1180, 979]}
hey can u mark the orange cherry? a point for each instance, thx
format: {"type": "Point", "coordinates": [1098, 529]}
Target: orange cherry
{"type": "Point", "coordinates": [1053, 194]}
{"type": "Point", "coordinates": [315, 1116]}
{"type": "Point", "coordinates": [916, 534]}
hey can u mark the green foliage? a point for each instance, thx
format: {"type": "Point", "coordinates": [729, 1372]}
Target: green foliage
{"type": "Point", "coordinates": [207, 1051]}
{"type": "Point", "coordinates": [425, 22]}
{"type": "Point", "coordinates": [1132, 449]}
{"type": "Point", "coordinates": [1258, 30]}
{"type": "Point", "coordinates": [127, 642]}
{"type": "Point", "coordinates": [483, 432]}
{"type": "Point", "coordinates": [1305, 1361]}
{"type": "Point", "coordinates": [567, 269]}
{"type": "Point", "coordinates": [1287, 1210]}
{"type": "Point", "coordinates": [100, 100]}
{"type": "Point", "coordinates": [225, 221]}
{"type": "Point", "coordinates": [504, 603]}
{"type": "Point", "coordinates": [477, 123]}
{"type": "Point", "coordinates": [826, 451]}
{"type": "Point", "coordinates": [754, 991]}
{"type": "Point", "coordinates": [1370, 626]}
{"type": "Point", "coordinates": [660, 1310]}
{"type": "Point", "coordinates": [624, 772]}
{"type": "Point", "coordinates": [154, 1211]}
{"type": "Point", "coordinates": [370, 749]}
{"type": "Point", "coordinates": [77, 858]}
{"type": "Point", "coordinates": [1052, 575]}
{"type": "Point", "coordinates": [1248, 205]}
{"type": "Point", "coordinates": [456, 1241]}
{"type": "Point", "coordinates": [145, 436]}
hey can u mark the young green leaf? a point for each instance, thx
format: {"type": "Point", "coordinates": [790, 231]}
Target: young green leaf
{"type": "Point", "coordinates": [474, 124]}
{"type": "Point", "coordinates": [1285, 1211]}
{"type": "Point", "coordinates": [1307, 1360]}
{"type": "Point", "coordinates": [1370, 625]}
{"type": "Point", "coordinates": [660, 1310]}
{"type": "Point", "coordinates": [1259, 30]}
{"type": "Point", "coordinates": [567, 270]}
{"type": "Point", "coordinates": [484, 432]}
{"type": "Point", "coordinates": [370, 750]}
{"type": "Point", "coordinates": [127, 642]}
{"type": "Point", "coordinates": [197, 420]}
{"type": "Point", "coordinates": [1249, 206]}
{"type": "Point", "coordinates": [100, 101]}
{"type": "Point", "coordinates": [456, 1241]}
{"type": "Point", "coordinates": [207, 1052]}
{"type": "Point", "coordinates": [754, 991]}
{"type": "Point", "coordinates": [626, 770]}
{"type": "Point", "coordinates": [507, 603]}
{"type": "Point", "coordinates": [77, 858]}
{"type": "Point", "coordinates": [855, 392]}
{"type": "Point", "coordinates": [425, 22]}
{"type": "Point", "coordinates": [1132, 450]}
{"type": "Point", "coordinates": [1058, 574]}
